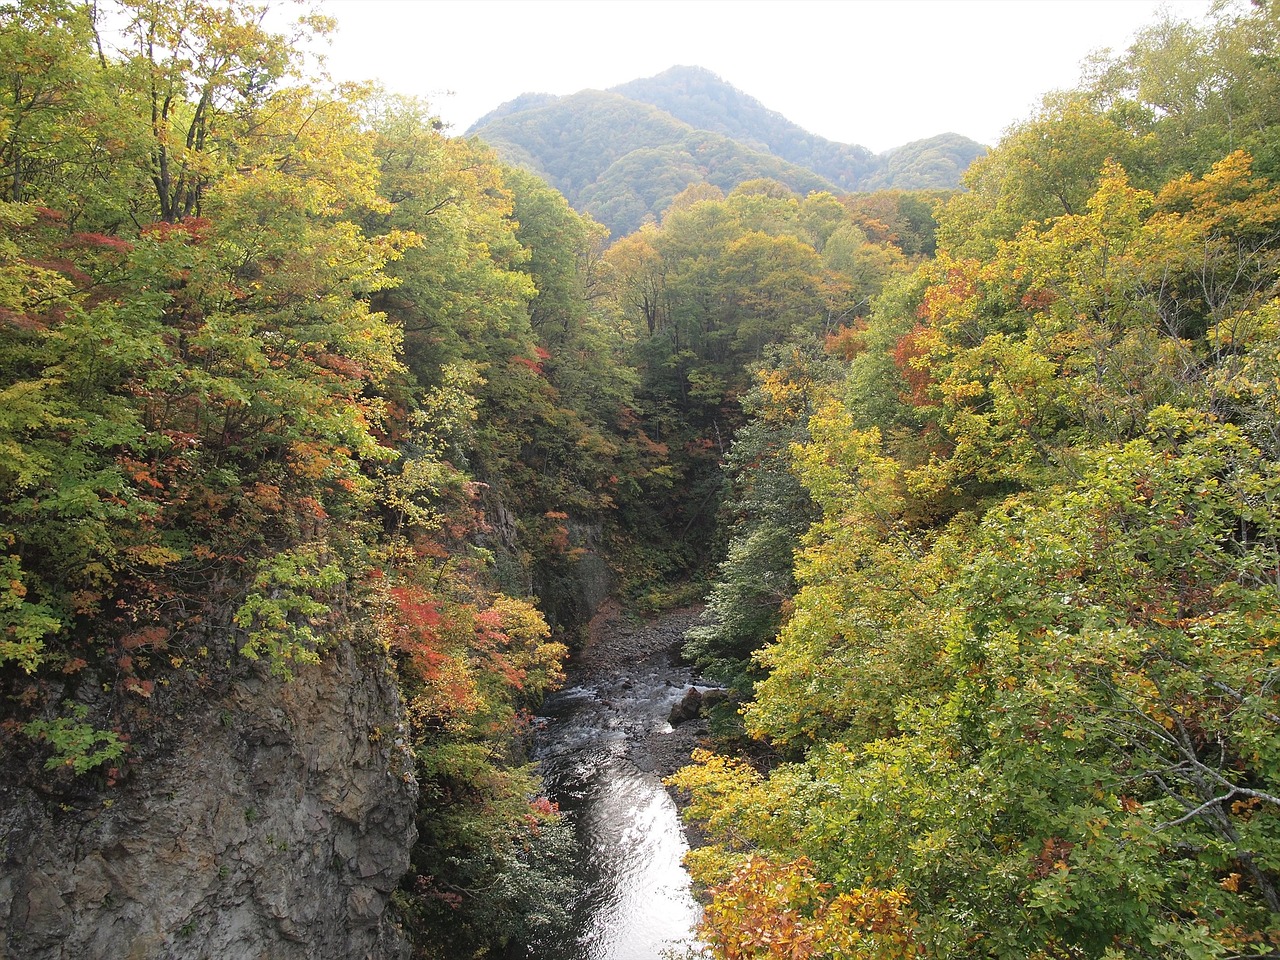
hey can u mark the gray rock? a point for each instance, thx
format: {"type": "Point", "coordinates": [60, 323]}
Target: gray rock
{"type": "Point", "coordinates": [689, 707]}
{"type": "Point", "coordinates": [276, 826]}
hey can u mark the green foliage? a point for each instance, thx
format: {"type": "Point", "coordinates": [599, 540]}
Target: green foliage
{"type": "Point", "coordinates": [248, 329]}
{"type": "Point", "coordinates": [469, 664]}
{"type": "Point", "coordinates": [625, 155]}
{"type": "Point", "coordinates": [935, 163]}
{"type": "Point", "coordinates": [58, 122]}
{"type": "Point", "coordinates": [765, 511]}
{"type": "Point", "coordinates": [282, 609]}
{"type": "Point", "coordinates": [25, 625]}
{"type": "Point", "coordinates": [706, 295]}
{"type": "Point", "coordinates": [75, 743]}
{"type": "Point", "coordinates": [623, 161]}
{"type": "Point", "coordinates": [1026, 678]}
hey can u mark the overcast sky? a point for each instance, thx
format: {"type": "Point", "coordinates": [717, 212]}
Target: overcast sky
{"type": "Point", "coordinates": [876, 72]}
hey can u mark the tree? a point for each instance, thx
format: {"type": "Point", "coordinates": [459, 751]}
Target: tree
{"type": "Point", "coordinates": [765, 511]}
{"type": "Point", "coordinates": [203, 72]}
{"type": "Point", "coordinates": [1025, 681]}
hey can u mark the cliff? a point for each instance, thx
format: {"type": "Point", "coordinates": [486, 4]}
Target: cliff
{"type": "Point", "coordinates": [275, 824]}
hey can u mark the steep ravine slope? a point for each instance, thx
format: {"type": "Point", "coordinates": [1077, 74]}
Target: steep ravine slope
{"type": "Point", "coordinates": [276, 824]}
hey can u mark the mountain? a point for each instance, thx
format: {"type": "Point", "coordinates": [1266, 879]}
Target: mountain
{"type": "Point", "coordinates": [701, 99]}
{"type": "Point", "coordinates": [930, 164]}
{"type": "Point", "coordinates": [621, 160]}
{"type": "Point", "coordinates": [623, 154]}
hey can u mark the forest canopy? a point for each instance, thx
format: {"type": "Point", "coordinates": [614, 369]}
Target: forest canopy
{"type": "Point", "coordinates": [1017, 696]}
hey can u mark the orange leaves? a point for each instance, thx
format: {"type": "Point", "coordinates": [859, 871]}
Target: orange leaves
{"type": "Point", "coordinates": [141, 473]}
{"type": "Point", "coordinates": [155, 637]}
{"type": "Point", "coordinates": [557, 533]}
{"type": "Point", "coordinates": [516, 638]}
{"type": "Point", "coordinates": [312, 460]}
{"type": "Point", "coordinates": [847, 342]}
{"type": "Point", "coordinates": [1054, 855]}
{"type": "Point", "coordinates": [769, 911]}
{"type": "Point", "coordinates": [910, 356]}
{"type": "Point", "coordinates": [462, 663]}
{"type": "Point", "coordinates": [433, 669]}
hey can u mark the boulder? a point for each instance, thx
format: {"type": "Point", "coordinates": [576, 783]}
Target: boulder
{"type": "Point", "coordinates": [688, 707]}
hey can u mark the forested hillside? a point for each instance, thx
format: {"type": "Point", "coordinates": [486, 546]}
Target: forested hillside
{"type": "Point", "coordinates": [290, 383]}
{"type": "Point", "coordinates": [623, 155]}
{"type": "Point", "coordinates": [702, 100]}
{"type": "Point", "coordinates": [621, 161]}
{"type": "Point", "coordinates": [325, 435]}
{"type": "Point", "coordinates": [1002, 591]}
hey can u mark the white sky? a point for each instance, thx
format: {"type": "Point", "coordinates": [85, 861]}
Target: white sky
{"type": "Point", "coordinates": [875, 72]}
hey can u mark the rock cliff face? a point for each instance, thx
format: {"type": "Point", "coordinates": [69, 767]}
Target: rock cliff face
{"type": "Point", "coordinates": [276, 826]}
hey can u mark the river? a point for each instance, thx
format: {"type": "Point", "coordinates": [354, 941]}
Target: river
{"type": "Point", "coordinates": [604, 744]}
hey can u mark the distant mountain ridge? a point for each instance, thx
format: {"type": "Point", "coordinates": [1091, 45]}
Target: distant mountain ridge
{"type": "Point", "coordinates": [623, 154]}
{"type": "Point", "coordinates": [701, 99]}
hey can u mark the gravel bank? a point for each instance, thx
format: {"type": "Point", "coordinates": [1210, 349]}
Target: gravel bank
{"type": "Point", "coordinates": [617, 648]}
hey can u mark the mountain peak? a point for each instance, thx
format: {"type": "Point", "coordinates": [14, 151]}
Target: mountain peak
{"type": "Point", "coordinates": [623, 154]}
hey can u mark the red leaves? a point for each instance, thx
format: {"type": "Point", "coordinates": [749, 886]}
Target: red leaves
{"type": "Point", "coordinates": [192, 229]}
{"type": "Point", "coordinates": [909, 355]}
{"type": "Point", "coordinates": [418, 614]}
{"type": "Point", "coordinates": [101, 241]}
{"type": "Point", "coordinates": [846, 342]}
{"type": "Point", "coordinates": [155, 637]}
{"type": "Point", "coordinates": [415, 631]}
{"type": "Point", "coordinates": [1038, 299]}
{"type": "Point", "coordinates": [557, 538]}
{"type": "Point", "coordinates": [544, 807]}
{"type": "Point", "coordinates": [141, 688]}
{"type": "Point", "coordinates": [532, 365]}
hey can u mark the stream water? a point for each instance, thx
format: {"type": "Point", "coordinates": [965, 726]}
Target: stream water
{"type": "Point", "coordinates": [602, 745]}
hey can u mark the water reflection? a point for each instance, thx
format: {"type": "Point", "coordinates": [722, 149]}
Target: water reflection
{"type": "Point", "coordinates": [637, 903]}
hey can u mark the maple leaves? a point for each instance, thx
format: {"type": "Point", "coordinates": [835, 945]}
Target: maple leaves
{"type": "Point", "coordinates": [465, 665]}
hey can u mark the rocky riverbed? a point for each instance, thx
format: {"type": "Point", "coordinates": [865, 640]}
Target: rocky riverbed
{"type": "Point", "coordinates": [620, 649]}
{"type": "Point", "coordinates": [604, 743]}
